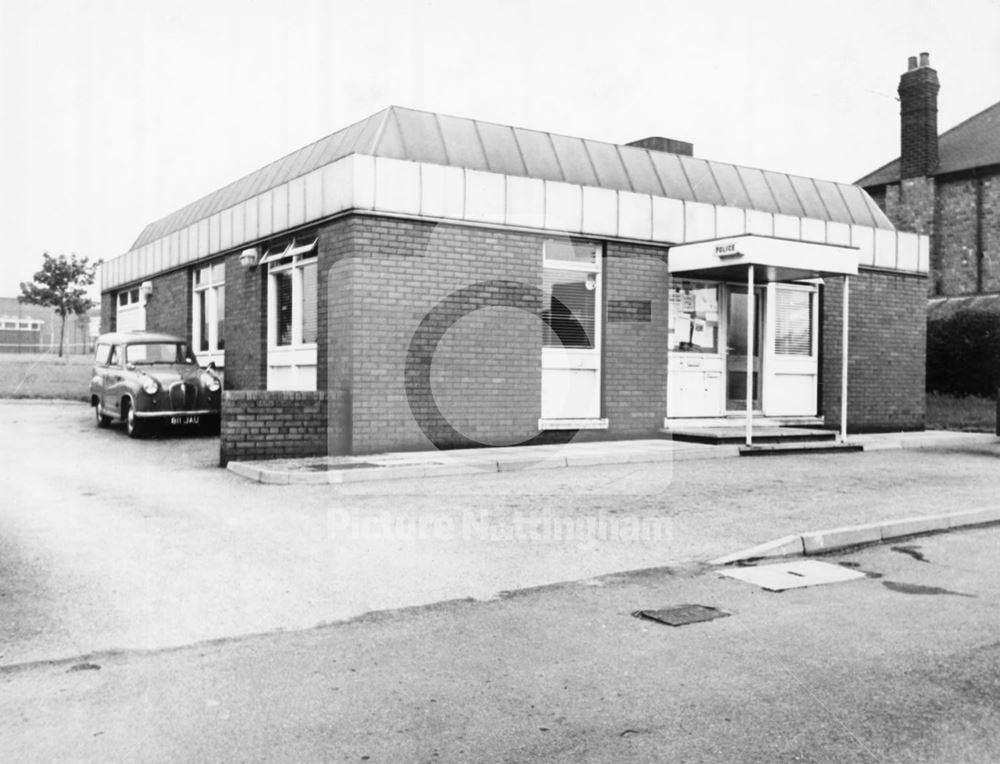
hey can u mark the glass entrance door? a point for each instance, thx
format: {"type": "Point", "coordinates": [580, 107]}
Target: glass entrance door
{"type": "Point", "coordinates": [737, 313]}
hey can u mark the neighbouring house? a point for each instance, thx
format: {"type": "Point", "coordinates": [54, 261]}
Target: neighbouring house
{"type": "Point", "coordinates": [28, 328]}
{"type": "Point", "coordinates": [417, 280]}
{"type": "Point", "coordinates": [946, 186]}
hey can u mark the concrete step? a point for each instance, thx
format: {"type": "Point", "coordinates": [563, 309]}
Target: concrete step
{"type": "Point", "coordinates": [737, 435]}
{"type": "Point", "coordinates": [812, 447]}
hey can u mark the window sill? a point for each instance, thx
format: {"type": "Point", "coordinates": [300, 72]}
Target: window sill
{"type": "Point", "coordinates": [572, 424]}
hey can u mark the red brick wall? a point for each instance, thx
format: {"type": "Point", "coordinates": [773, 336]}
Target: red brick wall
{"type": "Point", "coordinates": [886, 349]}
{"type": "Point", "coordinates": [169, 306]}
{"type": "Point", "coordinates": [635, 359]}
{"type": "Point", "coordinates": [950, 212]}
{"type": "Point", "coordinates": [108, 312]}
{"type": "Point", "coordinates": [246, 326]}
{"type": "Point", "coordinates": [383, 277]}
{"type": "Point", "coordinates": [258, 424]}
{"type": "Point", "coordinates": [955, 248]}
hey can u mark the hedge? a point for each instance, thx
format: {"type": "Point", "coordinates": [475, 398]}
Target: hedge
{"type": "Point", "coordinates": [963, 354]}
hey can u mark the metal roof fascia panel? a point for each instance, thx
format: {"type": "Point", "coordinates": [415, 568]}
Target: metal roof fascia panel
{"type": "Point", "coordinates": [672, 176]}
{"type": "Point", "coordinates": [784, 194]}
{"type": "Point", "coordinates": [540, 159]}
{"type": "Point", "coordinates": [462, 143]}
{"type": "Point", "coordinates": [610, 170]}
{"type": "Point", "coordinates": [641, 171]}
{"type": "Point", "coordinates": [731, 186]}
{"type": "Point", "coordinates": [702, 180]}
{"type": "Point", "coordinates": [502, 151]}
{"type": "Point", "coordinates": [761, 197]}
{"type": "Point", "coordinates": [574, 160]}
{"type": "Point", "coordinates": [812, 202]}
{"type": "Point", "coordinates": [421, 138]}
{"type": "Point", "coordinates": [834, 202]}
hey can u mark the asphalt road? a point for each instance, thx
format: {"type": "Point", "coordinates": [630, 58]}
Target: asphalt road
{"type": "Point", "coordinates": [902, 665]}
{"type": "Point", "coordinates": [108, 543]}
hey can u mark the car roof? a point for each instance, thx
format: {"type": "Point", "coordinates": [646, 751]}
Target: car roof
{"type": "Point", "coordinates": [128, 338]}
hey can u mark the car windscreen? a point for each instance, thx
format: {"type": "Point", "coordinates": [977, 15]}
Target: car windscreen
{"type": "Point", "coordinates": [159, 352]}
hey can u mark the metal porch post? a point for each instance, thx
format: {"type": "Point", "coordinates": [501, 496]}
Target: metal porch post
{"type": "Point", "coordinates": [843, 362]}
{"type": "Point", "coordinates": [751, 322]}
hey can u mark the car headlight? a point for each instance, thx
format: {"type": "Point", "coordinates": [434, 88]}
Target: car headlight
{"type": "Point", "coordinates": [211, 382]}
{"type": "Point", "coordinates": [149, 385]}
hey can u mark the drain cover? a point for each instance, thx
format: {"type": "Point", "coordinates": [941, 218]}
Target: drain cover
{"type": "Point", "coordinates": [793, 575]}
{"type": "Point", "coordinates": [681, 615]}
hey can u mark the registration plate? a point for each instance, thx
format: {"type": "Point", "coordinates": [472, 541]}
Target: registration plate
{"type": "Point", "coordinates": [183, 420]}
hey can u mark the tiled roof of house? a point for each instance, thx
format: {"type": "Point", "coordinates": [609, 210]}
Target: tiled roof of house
{"type": "Point", "coordinates": [419, 136]}
{"type": "Point", "coordinates": [973, 143]}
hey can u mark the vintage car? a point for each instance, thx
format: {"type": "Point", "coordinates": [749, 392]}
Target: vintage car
{"type": "Point", "coordinates": [142, 378]}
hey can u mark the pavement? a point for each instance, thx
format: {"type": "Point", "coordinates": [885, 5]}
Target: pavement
{"type": "Point", "coordinates": [420, 464]}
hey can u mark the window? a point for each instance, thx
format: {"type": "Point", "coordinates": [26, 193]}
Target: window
{"type": "Point", "coordinates": [694, 318]}
{"type": "Point", "coordinates": [570, 284]}
{"type": "Point", "coordinates": [793, 322]}
{"type": "Point", "coordinates": [208, 330]}
{"type": "Point", "coordinates": [101, 354]}
{"type": "Point", "coordinates": [158, 352]}
{"type": "Point", "coordinates": [292, 302]}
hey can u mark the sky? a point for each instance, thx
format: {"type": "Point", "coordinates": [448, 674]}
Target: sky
{"type": "Point", "coordinates": [118, 112]}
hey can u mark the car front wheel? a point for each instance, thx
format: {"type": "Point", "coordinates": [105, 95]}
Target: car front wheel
{"type": "Point", "coordinates": [133, 425]}
{"type": "Point", "coordinates": [103, 420]}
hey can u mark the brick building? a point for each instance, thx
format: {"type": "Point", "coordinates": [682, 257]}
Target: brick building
{"type": "Point", "coordinates": [417, 280]}
{"type": "Point", "coordinates": [26, 328]}
{"type": "Point", "coordinates": [946, 186]}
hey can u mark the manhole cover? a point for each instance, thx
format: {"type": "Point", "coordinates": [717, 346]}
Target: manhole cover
{"type": "Point", "coordinates": [681, 615]}
{"type": "Point", "coordinates": [793, 575]}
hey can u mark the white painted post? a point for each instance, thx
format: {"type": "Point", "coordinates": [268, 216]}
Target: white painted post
{"type": "Point", "coordinates": [843, 363]}
{"type": "Point", "coordinates": [751, 320]}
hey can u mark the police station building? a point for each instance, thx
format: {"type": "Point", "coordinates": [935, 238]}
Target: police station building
{"type": "Point", "coordinates": [417, 280]}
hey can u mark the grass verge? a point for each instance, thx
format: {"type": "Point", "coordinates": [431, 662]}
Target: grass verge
{"type": "Point", "coordinates": [45, 376]}
{"type": "Point", "coordinates": [970, 413]}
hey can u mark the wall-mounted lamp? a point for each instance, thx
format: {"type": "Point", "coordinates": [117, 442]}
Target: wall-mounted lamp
{"type": "Point", "coordinates": [249, 257]}
{"type": "Point", "coordinates": [145, 291]}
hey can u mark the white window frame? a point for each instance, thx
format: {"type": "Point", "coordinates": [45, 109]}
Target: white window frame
{"type": "Point", "coordinates": [131, 308]}
{"type": "Point", "coordinates": [292, 366]}
{"type": "Point", "coordinates": [210, 285]}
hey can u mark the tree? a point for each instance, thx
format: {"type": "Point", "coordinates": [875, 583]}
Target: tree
{"type": "Point", "coordinates": [61, 284]}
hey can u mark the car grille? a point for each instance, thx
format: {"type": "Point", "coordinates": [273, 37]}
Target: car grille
{"type": "Point", "coordinates": [183, 396]}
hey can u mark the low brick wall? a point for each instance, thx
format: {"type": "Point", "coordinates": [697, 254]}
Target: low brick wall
{"type": "Point", "coordinates": [273, 424]}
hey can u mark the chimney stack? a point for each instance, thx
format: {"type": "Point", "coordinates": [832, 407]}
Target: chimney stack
{"type": "Point", "coordinates": [918, 89]}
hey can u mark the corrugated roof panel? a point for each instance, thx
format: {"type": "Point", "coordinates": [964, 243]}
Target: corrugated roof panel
{"type": "Point", "coordinates": [881, 219]}
{"type": "Point", "coordinates": [699, 174]}
{"type": "Point", "coordinates": [539, 156]}
{"type": "Point", "coordinates": [574, 160]}
{"type": "Point", "coordinates": [855, 198]}
{"type": "Point", "coordinates": [462, 143]}
{"type": "Point", "coordinates": [263, 179]}
{"type": "Point", "coordinates": [502, 152]}
{"type": "Point", "coordinates": [295, 164]}
{"type": "Point", "coordinates": [610, 170]}
{"type": "Point", "coordinates": [329, 148]}
{"type": "Point", "coordinates": [390, 144]}
{"type": "Point", "coordinates": [812, 202]}
{"type": "Point", "coordinates": [761, 197]}
{"type": "Point", "coordinates": [784, 194]}
{"type": "Point", "coordinates": [640, 170]}
{"type": "Point", "coordinates": [730, 185]}
{"type": "Point", "coordinates": [672, 175]}
{"type": "Point", "coordinates": [421, 136]}
{"type": "Point", "coordinates": [364, 142]}
{"type": "Point", "coordinates": [833, 201]}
